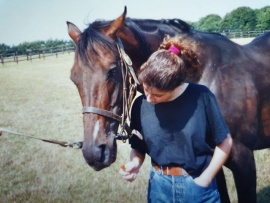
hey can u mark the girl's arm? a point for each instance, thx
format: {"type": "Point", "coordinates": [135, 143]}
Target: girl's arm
{"type": "Point", "coordinates": [220, 156]}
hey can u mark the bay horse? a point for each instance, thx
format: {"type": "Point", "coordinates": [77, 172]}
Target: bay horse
{"type": "Point", "coordinates": [237, 75]}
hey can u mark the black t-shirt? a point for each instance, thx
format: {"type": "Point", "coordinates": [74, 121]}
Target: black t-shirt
{"type": "Point", "coordinates": [182, 132]}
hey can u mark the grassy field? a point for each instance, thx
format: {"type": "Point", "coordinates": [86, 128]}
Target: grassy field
{"type": "Point", "coordinates": [38, 98]}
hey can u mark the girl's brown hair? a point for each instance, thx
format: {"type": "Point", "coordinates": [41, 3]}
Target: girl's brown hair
{"type": "Point", "coordinates": [166, 70]}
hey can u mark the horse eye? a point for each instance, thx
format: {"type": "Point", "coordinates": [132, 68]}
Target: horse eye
{"type": "Point", "coordinates": [112, 72]}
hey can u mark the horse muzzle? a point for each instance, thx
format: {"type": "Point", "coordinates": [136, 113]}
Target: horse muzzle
{"type": "Point", "coordinates": [100, 156]}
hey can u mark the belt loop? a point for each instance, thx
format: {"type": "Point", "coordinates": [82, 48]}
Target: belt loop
{"type": "Point", "coordinates": [161, 170]}
{"type": "Point", "coordinates": [184, 172]}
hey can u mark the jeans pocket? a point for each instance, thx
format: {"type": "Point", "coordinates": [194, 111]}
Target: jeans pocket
{"type": "Point", "coordinates": [192, 182]}
{"type": "Point", "coordinates": [195, 193]}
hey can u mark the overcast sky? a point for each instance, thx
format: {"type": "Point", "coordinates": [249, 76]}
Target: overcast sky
{"type": "Point", "coordinates": [31, 20]}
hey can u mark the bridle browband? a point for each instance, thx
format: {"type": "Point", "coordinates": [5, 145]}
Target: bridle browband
{"type": "Point", "coordinates": [129, 75]}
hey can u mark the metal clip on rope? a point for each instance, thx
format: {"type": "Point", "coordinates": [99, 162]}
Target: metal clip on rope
{"type": "Point", "coordinates": [74, 145]}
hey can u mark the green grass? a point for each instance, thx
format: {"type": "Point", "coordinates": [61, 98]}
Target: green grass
{"type": "Point", "coordinates": [38, 98]}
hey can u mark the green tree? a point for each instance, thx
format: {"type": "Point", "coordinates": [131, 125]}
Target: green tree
{"type": "Point", "coordinates": [243, 18]}
{"type": "Point", "coordinates": [263, 18]}
{"type": "Point", "coordinates": [38, 46]}
{"type": "Point", "coordinates": [210, 23]}
{"type": "Point", "coordinates": [4, 48]}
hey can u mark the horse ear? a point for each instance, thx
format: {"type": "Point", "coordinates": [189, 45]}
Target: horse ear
{"type": "Point", "coordinates": [74, 32]}
{"type": "Point", "coordinates": [112, 30]}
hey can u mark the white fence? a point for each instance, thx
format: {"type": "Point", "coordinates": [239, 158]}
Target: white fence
{"type": "Point", "coordinates": [244, 34]}
{"type": "Point", "coordinates": [36, 54]}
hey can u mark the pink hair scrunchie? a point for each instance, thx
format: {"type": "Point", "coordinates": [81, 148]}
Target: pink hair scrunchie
{"type": "Point", "coordinates": [174, 50]}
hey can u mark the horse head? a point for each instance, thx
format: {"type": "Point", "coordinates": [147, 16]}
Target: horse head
{"type": "Point", "coordinates": [97, 73]}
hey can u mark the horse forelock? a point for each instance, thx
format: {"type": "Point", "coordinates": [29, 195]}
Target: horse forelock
{"type": "Point", "coordinates": [92, 39]}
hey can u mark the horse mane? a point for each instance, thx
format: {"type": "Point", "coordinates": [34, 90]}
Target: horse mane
{"type": "Point", "coordinates": [150, 26]}
{"type": "Point", "coordinates": [185, 28]}
{"type": "Point", "coordinates": [179, 24]}
{"type": "Point", "coordinates": [139, 27]}
{"type": "Point", "coordinates": [91, 36]}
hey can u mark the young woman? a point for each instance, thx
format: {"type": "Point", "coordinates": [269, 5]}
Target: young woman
{"type": "Point", "coordinates": [182, 127]}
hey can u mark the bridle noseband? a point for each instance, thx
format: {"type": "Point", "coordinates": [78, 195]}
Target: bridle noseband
{"type": "Point", "coordinates": [129, 75]}
{"type": "Point", "coordinates": [102, 112]}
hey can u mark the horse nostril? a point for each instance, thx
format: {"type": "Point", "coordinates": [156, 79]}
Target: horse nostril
{"type": "Point", "coordinates": [102, 152]}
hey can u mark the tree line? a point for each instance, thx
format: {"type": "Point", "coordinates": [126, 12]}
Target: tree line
{"type": "Point", "coordinates": [240, 19]}
{"type": "Point", "coordinates": [35, 47]}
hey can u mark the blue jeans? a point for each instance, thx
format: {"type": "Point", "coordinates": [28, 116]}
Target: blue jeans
{"type": "Point", "coordinates": [179, 189]}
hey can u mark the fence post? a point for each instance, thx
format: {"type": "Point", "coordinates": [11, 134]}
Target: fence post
{"type": "Point", "coordinates": [2, 59]}
{"type": "Point", "coordinates": [16, 56]}
{"type": "Point", "coordinates": [29, 55]}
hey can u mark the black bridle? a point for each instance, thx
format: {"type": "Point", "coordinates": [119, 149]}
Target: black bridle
{"type": "Point", "coordinates": [129, 77]}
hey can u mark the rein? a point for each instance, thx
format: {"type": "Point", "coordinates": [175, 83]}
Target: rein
{"type": "Point", "coordinates": [129, 76]}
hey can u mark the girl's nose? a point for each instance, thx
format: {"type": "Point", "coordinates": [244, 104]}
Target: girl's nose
{"type": "Point", "coordinates": [150, 98]}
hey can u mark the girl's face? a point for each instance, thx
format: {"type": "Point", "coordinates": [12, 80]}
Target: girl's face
{"type": "Point", "coordinates": [155, 96]}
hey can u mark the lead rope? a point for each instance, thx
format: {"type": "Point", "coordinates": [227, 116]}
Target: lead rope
{"type": "Point", "coordinates": [74, 145]}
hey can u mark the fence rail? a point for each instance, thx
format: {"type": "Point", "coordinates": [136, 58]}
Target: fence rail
{"type": "Point", "coordinates": [35, 54]}
{"type": "Point", "coordinates": [244, 34]}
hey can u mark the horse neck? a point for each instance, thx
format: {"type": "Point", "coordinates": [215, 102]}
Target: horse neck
{"type": "Point", "coordinates": [142, 37]}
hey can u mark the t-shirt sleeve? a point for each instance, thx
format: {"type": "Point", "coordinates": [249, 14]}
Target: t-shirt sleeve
{"type": "Point", "coordinates": [135, 123]}
{"type": "Point", "coordinates": [216, 124]}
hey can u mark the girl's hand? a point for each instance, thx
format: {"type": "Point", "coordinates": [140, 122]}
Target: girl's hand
{"type": "Point", "coordinates": [129, 171]}
{"type": "Point", "coordinates": [202, 182]}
